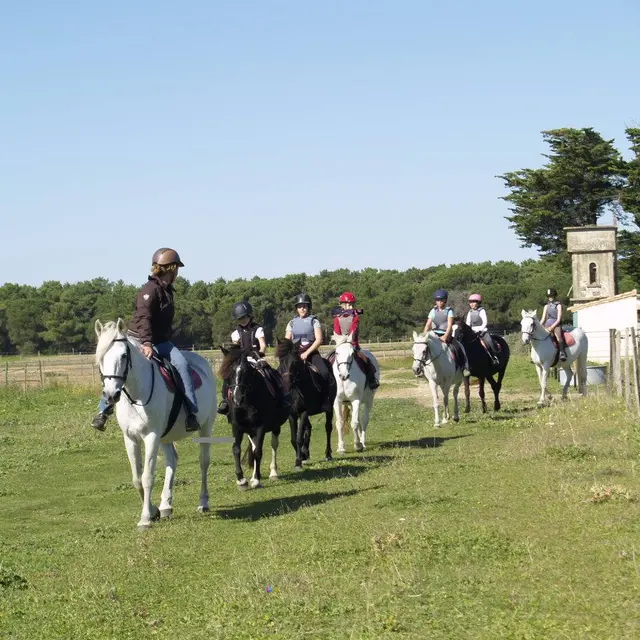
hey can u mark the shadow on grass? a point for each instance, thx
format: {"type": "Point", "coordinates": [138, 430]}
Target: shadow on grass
{"type": "Point", "coordinates": [283, 506]}
{"type": "Point", "coordinates": [340, 468]}
{"type": "Point", "coordinates": [509, 411]}
{"type": "Point", "coordinates": [421, 443]}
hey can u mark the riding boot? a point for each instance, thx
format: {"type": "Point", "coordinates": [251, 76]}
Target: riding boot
{"type": "Point", "coordinates": [191, 423]}
{"type": "Point", "coordinates": [562, 346]}
{"type": "Point", "coordinates": [223, 408]}
{"type": "Point", "coordinates": [371, 376]}
{"type": "Point", "coordinates": [99, 421]}
{"type": "Point", "coordinates": [495, 361]}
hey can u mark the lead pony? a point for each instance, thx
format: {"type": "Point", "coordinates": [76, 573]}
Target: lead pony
{"type": "Point", "coordinates": [352, 391]}
{"type": "Point", "coordinates": [435, 360]}
{"type": "Point", "coordinates": [143, 404]}
{"type": "Point", "coordinates": [544, 354]}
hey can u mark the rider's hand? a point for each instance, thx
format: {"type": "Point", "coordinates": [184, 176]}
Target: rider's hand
{"type": "Point", "coordinates": [443, 339]}
{"type": "Point", "coordinates": [147, 350]}
{"type": "Point", "coordinates": [304, 356]}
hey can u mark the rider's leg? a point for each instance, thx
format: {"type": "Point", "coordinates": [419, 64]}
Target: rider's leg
{"type": "Point", "coordinates": [177, 359]}
{"type": "Point", "coordinates": [371, 370]}
{"type": "Point", "coordinates": [488, 340]}
{"type": "Point", "coordinates": [320, 364]}
{"type": "Point", "coordinates": [463, 356]}
{"type": "Point", "coordinates": [105, 409]}
{"type": "Point", "coordinates": [223, 407]}
{"type": "Point", "coordinates": [558, 333]}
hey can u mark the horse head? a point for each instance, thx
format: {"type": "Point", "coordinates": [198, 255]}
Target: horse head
{"type": "Point", "coordinates": [237, 369]}
{"type": "Point", "coordinates": [528, 325]}
{"type": "Point", "coordinates": [420, 352]}
{"type": "Point", "coordinates": [345, 353]}
{"type": "Point", "coordinates": [461, 330]}
{"type": "Point", "coordinates": [113, 357]}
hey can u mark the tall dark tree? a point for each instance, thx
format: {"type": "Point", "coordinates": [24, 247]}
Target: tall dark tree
{"type": "Point", "coordinates": [629, 239]}
{"type": "Point", "coordinates": [582, 180]}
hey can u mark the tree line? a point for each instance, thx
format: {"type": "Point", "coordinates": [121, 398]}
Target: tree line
{"type": "Point", "coordinates": [59, 317]}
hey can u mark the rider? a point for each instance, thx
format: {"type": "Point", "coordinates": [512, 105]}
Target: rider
{"type": "Point", "coordinates": [305, 330]}
{"type": "Point", "coordinates": [551, 319]}
{"type": "Point", "coordinates": [477, 320]}
{"type": "Point", "coordinates": [151, 325]}
{"type": "Point", "coordinates": [441, 321]}
{"type": "Point", "coordinates": [249, 335]}
{"type": "Point", "coordinates": [346, 322]}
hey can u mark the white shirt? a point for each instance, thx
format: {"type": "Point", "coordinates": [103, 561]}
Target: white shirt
{"type": "Point", "coordinates": [235, 336]}
{"type": "Point", "coordinates": [483, 316]}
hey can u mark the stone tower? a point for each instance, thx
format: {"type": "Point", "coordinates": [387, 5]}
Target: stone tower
{"type": "Point", "coordinates": [593, 262]}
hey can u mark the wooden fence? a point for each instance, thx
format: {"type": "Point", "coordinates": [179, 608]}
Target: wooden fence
{"type": "Point", "coordinates": [623, 367]}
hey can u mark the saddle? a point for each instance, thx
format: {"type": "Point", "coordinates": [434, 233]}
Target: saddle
{"type": "Point", "coordinates": [172, 378]}
{"type": "Point", "coordinates": [567, 336]}
{"type": "Point", "coordinates": [359, 359]}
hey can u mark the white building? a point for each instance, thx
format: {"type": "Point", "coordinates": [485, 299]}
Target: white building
{"type": "Point", "coordinates": [597, 317]}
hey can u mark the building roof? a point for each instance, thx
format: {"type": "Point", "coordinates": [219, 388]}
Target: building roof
{"type": "Point", "coordinates": [594, 303]}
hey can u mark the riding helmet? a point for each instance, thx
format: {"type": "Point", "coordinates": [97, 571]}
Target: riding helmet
{"type": "Point", "coordinates": [347, 296]}
{"type": "Point", "coordinates": [303, 298]}
{"type": "Point", "coordinates": [552, 292]}
{"type": "Point", "coordinates": [475, 297]}
{"type": "Point", "coordinates": [241, 309]}
{"type": "Point", "coordinates": [441, 294]}
{"type": "Point", "coordinates": [165, 256]}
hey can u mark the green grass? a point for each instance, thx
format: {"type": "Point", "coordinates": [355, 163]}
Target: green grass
{"type": "Point", "coordinates": [523, 524]}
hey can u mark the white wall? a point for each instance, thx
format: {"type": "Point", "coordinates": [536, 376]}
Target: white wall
{"type": "Point", "coordinates": [596, 321]}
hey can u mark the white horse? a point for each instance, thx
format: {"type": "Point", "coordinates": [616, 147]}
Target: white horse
{"type": "Point", "coordinates": [352, 390]}
{"type": "Point", "coordinates": [544, 352]}
{"type": "Point", "coordinates": [142, 410]}
{"type": "Point", "coordinates": [434, 359]}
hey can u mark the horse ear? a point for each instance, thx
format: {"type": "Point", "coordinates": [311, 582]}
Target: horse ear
{"type": "Point", "coordinates": [415, 336]}
{"type": "Point", "coordinates": [349, 338]}
{"type": "Point", "coordinates": [333, 338]}
{"type": "Point", "coordinates": [98, 328]}
{"type": "Point", "coordinates": [524, 313]}
{"type": "Point", "coordinates": [120, 325]}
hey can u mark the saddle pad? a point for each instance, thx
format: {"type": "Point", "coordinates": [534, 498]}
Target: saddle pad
{"type": "Point", "coordinates": [171, 383]}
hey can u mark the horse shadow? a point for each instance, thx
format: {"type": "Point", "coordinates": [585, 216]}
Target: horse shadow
{"type": "Point", "coordinates": [282, 506]}
{"type": "Point", "coordinates": [421, 443]}
{"type": "Point", "coordinates": [350, 467]}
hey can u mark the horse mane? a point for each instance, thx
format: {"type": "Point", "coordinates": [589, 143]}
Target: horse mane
{"type": "Point", "coordinates": [339, 339]}
{"type": "Point", "coordinates": [108, 334]}
{"type": "Point", "coordinates": [230, 361]}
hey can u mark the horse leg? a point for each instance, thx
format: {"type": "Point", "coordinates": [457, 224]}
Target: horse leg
{"type": "Point", "coordinates": [495, 387]}
{"type": "Point", "coordinates": [434, 395]}
{"type": "Point", "coordinates": [273, 469]}
{"type": "Point", "coordinates": [456, 406]}
{"type": "Point", "coordinates": [543, 374]}
{"type": "Point", "coordinates": [205, 461]}
{"type": "Point", "coordinates": [328, 426]}
{"type": "Point", "coordinates": [306, 440]}
{"type": "Point", "coordinates": [337, 411]}
{"type": "Point", "coordinates": [256, 480]}
{"type": "Point", "coordinates": [569, 376]}
{"type": "Point", "coordinates": [293, 424]}
{"type": "Point", "coordinates": [171, 463]}
{"type": "Point", "coordinates": [241, 481]}
{"type": "Point", "coordinates": [581, 371]}
{"type": "Point", "coordinates": [300, 439]}
{"type": "Point", "coordinates": [467, 395]}
{"type": "Point", "coordinates": [481, 394]}
{"type": "Point", "coordinates": [134, 454]}
{"type": "Point", "coordinates": [445, 401]}
{"type": "Point", "coordinates": [365, 409]}
{"type": "Point", "coordinates": [149, 511]}
{"type": "Point", "coordinates": [358, 445]}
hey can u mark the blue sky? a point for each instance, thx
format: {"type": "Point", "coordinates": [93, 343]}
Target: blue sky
{"type": "Point", "coordinates": [265, 137]}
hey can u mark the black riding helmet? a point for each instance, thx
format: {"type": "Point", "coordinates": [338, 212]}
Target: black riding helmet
{"type": "Point", "coordinates": [303, 298]}
{"type": "Point", "coordinates": [552, 292]}
{"type": "Point", "coordinates": [241, 309]}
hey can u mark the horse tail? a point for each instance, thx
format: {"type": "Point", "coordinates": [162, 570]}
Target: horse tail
{"type": "Point", "coordinates": [247, 456]}
{"type": "Point", "coordinates": [581, 370]}
{"type": "Point", "coordinates": [345, 410]}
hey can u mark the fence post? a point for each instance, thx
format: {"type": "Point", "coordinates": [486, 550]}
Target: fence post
{"type": "Point", "coordinates": [634, 347]}
{"type": "Point", "coordinates": [25, 378]}
{"type": "Point", "coordinates": [6, 373]}
{"type": "Point", "coordinates": [41, 373]}
{"type": "Point", "coordinates": [627, 374]}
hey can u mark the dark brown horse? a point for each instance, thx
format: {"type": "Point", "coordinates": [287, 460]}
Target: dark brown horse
{"type": "Point", "coordinates": [480, 363]}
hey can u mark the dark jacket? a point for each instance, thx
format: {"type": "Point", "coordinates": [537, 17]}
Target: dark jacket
{"type": "Point", "coordinates": [153, 316]}
{"type": "Point", "coordinates": [248, 340]}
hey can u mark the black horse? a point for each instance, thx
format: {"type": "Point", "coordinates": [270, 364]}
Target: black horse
{"type": "Point", "coordinates": [257, 405]}
{"type": "Point", "coordinates": [480, 363]}
{"type": "Point", "coordinates": [310, 395]}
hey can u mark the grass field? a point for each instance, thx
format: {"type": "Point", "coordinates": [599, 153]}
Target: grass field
{"type": "Point", "coordinates": [523, 524]}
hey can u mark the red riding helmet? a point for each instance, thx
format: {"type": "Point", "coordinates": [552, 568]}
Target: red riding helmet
{"type": "Point", "coordinates": [347, 296]}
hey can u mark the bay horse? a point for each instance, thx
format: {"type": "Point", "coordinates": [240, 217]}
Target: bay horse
{"type": "Point", "coordinates": [143, 406]}
{"type": "Point", "coordinates": [435, 360]}
{"type": "Point", "coordinates": [544, 354]}
{"type": "Point", "coordinates": [352, 391]}
{"type": "Point", "coordinates": [480, 363]}
{"type": "Point", "coordinates": [256, 407]}
{"type": "Point", "coordinates": [310, 395]}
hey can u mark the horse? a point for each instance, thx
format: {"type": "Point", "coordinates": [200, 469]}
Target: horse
{"type": "Point", "coordinates": [309, 396]}
{"type": "Point", "coordinates": [143, 409]}
{"type": "Point", "coordinates": [480, 363]}
{"type": "Point", "coordinates": [353, 391]}
{"type": "Point", "coordinates": [434, 359]}
{"type": "Point", "coordinates": [256, 407]}
{"type": "Point", "coordinates": [544, 354]}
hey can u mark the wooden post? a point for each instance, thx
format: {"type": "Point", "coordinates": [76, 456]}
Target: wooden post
{"type": "Point", "coordinates": [6, 373]}
{"type": "Point", "coordinates": [41, 373]}
{"type": "Point", "coordinates": [636, 381]}
{"type": "Point", "coordinates": [627, 374]}
{"type": "Point", "coordinates": [93, 373]}
{"type": "Point", "coordinates": [25, 378]}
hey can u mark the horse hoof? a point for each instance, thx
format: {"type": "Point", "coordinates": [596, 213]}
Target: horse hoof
{"type": "Point", "coordinates": [342, 451]}
{"type": "Point", "coordinates": [203, 509]}
{"type": "Point", "coordinates": [243, 485]}
{"type": "Point", "coordinates": [155, 513]}
{"type": "Point", "coordinates": [358, 447]}
{"type": "Point", "coordinates": [144, 526]}
{"type": "Point", "coordinates": [456, 419]}
{"type": "Point", "coordinates": [256, 484]}
{"type": "Point", "coordinates": [467, 410]}
{"type": "Point", "coordinates": [328, 459]}
{"type": "Point", "coordinates": [306, 461]}
{"type": "Point", "coordinates": [273, 476]}
{"type": "Point", "coordinates": [166, 513]}
{"type": "Point", "coordinates": [298, 468]}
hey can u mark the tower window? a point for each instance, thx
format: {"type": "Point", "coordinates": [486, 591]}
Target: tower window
{"type": "Point", "coordinates": [593, 273]}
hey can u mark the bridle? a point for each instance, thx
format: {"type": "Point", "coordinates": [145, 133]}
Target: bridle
{"type": "Point", "coordinates": [127, 367]}
{"type": "Point", "coordinates": [347, 363]}
{"type": "Point", "coordinates": [425, 359]}
{"type": "Point", "coordinates": [530, 333]}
